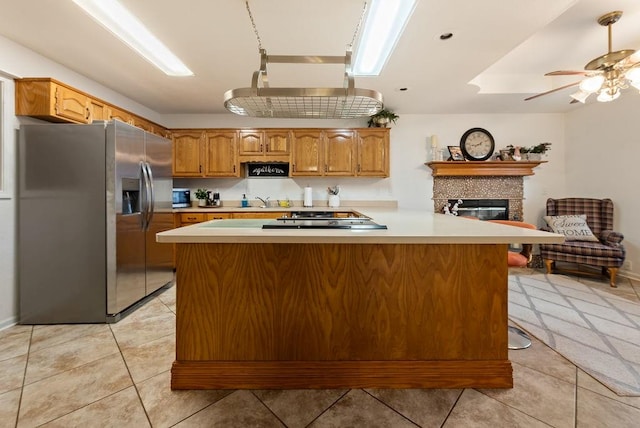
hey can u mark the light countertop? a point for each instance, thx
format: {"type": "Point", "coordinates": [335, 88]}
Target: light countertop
{"type": "Point", "coordinates": [234, 206]}
{"type": "Point", "coordinates": [403, 227]}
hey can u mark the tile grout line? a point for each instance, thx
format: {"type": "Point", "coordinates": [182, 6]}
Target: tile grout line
{"type": "Point", "coordinates": [453, 407]}
{"type": "Point", "coordinates": [515, 408]}
{"type": "Point", "coordinates": [575, 401]}
{"type": "Point", "coordinates": [64, 371]}
{"type": "Point", "coordinates": [131, 377]}
{"type": "Point", "coordinates": [329, 407]}
{"type": "Point", "coordinates": [204, 408]}
{"type": "Point", "coordinates": [268, 408]}
{"type": "Point", "coordinates": [67, 370]}
{"type": "Point", "coordinates": [390, 408]}
{"type": "Point", "coordinates": [24, 377]}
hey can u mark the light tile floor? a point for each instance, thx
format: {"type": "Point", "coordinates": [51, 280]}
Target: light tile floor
{"type": "Point", "coordinates": [118, 375]}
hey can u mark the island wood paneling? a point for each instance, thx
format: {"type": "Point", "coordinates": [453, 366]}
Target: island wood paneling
{"type": "Point", "coordinates": [338, 315]}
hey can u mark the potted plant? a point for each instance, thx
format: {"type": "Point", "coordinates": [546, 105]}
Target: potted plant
{"type": "Point", "coordinates": [536, 152]}
{"type": "Point", "coordinates": [530, 153]}
{"type": "Point", "coordinates": [202, 195]}
{"type": "Point", "coordinates": [382, 118]}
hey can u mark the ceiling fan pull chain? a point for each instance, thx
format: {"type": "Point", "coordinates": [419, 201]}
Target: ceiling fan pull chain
{"type": "Point", "coordinates": [355, 33]}
{"type": "Point", "coordinates": [255, 29]}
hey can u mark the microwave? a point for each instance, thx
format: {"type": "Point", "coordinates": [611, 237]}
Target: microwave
{"type": "Point", "coordinates": [181, 198]}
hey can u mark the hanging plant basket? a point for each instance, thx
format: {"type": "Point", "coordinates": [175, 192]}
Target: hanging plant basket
{"type": "Point", "coordinates": [382, 119]}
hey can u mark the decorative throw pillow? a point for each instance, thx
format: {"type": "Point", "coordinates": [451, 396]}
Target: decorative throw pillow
{"type": "Point", "coordinates": [573, 227]}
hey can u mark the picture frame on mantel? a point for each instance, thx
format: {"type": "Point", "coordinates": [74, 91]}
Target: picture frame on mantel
{"type": "Point", "coordinates": [456, 153]}
{"type": "Point", "coordinates": [505, 155]}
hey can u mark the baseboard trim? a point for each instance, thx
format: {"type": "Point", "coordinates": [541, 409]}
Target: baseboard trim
{"type": "Point", "coordinates": [9, 322]}
{"type": "Point", "coordinates": [341, 374]}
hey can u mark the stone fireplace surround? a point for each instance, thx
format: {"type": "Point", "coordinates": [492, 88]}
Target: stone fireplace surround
{"type": "Point", "coordinates": [510, 188]}
{"type": "Point", "coordinates": [481, 180]}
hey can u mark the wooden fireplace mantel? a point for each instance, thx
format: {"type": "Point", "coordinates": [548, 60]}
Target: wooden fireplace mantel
{"type": "Point", "coordinates": [482, 168]}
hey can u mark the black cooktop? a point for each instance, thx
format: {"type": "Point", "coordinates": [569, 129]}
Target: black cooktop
{"type": "Point", "coordinates": [323, 223]}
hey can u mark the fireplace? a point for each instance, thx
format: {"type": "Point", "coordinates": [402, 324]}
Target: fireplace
{"type": "Point", "coordinates": [510, 189]}
{"type": "Point", "coordinates": [481, 181]}
{"type": "Point", "coordinates": [483, 209]}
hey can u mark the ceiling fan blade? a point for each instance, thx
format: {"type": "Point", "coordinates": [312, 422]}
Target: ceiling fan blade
{"type": "Point", "coordinates": [573, 101]}
{"type": "Point", "coordinates": [552, 91]}
{"type": "Point", "coordinates": [566, 73]}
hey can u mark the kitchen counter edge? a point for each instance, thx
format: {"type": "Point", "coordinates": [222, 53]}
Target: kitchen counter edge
{"type": "Point", "coordinates": [404, 226]}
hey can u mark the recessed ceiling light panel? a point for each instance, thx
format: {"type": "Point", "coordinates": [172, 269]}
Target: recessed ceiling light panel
{"type": "Point", "coordinates": [123, 24]}
{"type": "Point", "coordinates": [384, 24]}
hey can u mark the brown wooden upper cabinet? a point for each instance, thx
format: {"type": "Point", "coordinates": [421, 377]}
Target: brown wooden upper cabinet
{"type": "Point", "coordinates": [210, 153]}
{"type": "Point", "coordinates": [71, 104]}
{"type": "Point", "coordinates": [54, 101]}
{"type": "Point", "coordinates": [51, 100]}
{"type": "Point", "coordinates": [340, 152]}
{"type": "Point", "coordinates": [221, 154]}
{"type": "Point", "coordinates": [98, 110]}
{"type": "Point", "coordinates": [264, 145]}
{"type": "Point", "coordinates": [187, 153]}
{"type": "Point", "coordinates": [373, 152]}
{"type": "Point", "coordinates": [307, 156]}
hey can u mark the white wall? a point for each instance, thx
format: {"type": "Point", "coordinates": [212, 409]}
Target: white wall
{"type": "Point", "coordinates": [603, 147]}
{"type": "Point", "coordinates": [8, 291]}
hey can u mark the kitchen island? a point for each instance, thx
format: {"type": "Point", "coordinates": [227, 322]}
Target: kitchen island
{"type": "Point", "coordinates": [422, 304]}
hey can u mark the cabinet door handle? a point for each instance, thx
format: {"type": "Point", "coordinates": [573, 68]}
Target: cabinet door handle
{"type": "Point", "coordinates": [326, 168]}
{"type": "Point", "coordinates": [200, 168]}
{"type": "Point", "coordinates": [260, 146]}
{"type": "Point", "coordinates": [234, 168]}
{"type": "Point", "coordinates": [267, 147]}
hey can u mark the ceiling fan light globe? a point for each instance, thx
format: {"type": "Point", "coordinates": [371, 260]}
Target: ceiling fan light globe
{"type": "Point", "coordinates": [592, 84]}
{"type": "Point", "coordinates": [633, 75]}
{"type": "Point", "coordinates": [580, 96]}
{"type": "Point", "coordinates": [606, 96]}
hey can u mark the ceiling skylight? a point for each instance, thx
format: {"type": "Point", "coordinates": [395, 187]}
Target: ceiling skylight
{"type": "Point", "coordinates": [115, 18]}
{"type": "Point", "coordinates": [384, 24]}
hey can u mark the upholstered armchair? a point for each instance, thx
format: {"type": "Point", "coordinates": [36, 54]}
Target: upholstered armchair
{"type": "Point", "coordinates": [605, 251]}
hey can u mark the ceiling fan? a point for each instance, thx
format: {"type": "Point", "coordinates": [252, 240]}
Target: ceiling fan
{"type": "Point", "coordinates": [605, 75]}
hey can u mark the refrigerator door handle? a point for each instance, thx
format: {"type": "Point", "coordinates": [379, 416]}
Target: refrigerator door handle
{"type": "Point", "coordinates": [145, 192]}
{"type": "Point", "coordinates": [152, 196]}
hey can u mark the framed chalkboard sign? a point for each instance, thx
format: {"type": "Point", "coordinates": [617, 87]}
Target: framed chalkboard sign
{"type": "Point", "coordinates": [267, 169]}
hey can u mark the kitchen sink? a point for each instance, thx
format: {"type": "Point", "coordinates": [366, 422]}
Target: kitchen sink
{"type": "Point", "coordinates": [323, 223]}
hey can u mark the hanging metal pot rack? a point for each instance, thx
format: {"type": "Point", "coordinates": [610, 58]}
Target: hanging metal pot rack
{"type": "Point", "coordinates": [261, 100]}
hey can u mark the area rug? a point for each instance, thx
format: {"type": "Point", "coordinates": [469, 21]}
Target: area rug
{"type": "Point", "coordinates": [593, 328]}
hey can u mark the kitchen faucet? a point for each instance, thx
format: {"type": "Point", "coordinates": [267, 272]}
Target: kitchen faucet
{"type": "Point", "coordinates": [265, 201]}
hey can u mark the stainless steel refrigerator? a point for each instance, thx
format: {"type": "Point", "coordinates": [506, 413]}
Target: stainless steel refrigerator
{"type": "Point", "coordinates": [91, 199]}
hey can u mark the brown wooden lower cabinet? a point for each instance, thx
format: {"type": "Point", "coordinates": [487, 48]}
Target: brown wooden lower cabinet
{"type": "Point", "coordinates": [288, 316]}
{"type": "Point", "coordinates": [253, 214]}
{"type": "Point", "coordinates": [218, 216]}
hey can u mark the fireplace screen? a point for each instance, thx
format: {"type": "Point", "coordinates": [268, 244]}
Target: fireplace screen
{"type": "Point", "coordinates": [484, 209]}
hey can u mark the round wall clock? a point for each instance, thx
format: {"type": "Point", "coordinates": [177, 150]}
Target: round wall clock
{"type": "Point", "coordinates": [477, 144]}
